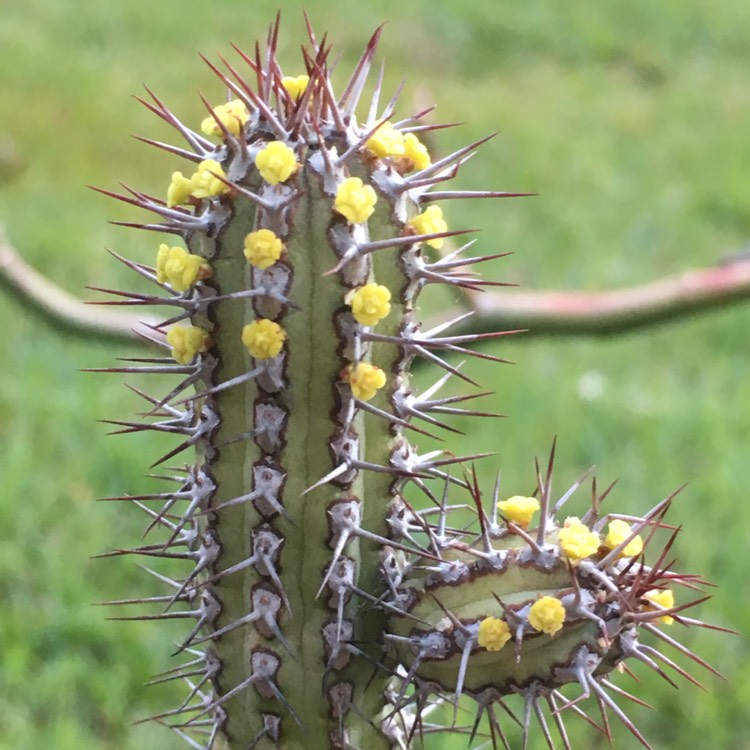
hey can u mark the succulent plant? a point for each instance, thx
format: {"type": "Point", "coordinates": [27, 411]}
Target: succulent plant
{"type": "Point", "coordinates": [337, 592]}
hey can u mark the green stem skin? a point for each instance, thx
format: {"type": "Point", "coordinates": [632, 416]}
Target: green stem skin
{"type": "Point", "coordinates": [311, 374]}
{"type": "Point", "coordinates": [308, 393]}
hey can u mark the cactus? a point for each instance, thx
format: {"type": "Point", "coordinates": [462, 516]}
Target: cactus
{"type": "Point", "coordinates": [336, 592]}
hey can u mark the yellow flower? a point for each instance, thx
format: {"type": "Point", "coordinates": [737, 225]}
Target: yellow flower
{"type": "Point", "coordinates": [206, 182]}
{"type": "Point", "coordinates": [416, 152]}
{"type": "Point", "coordinates": [665, 599]}
{"type": "Point", "coordinates": [617, 532]}
{"type": "Point", "coordinates": [366, 380]}
{"type": "Point", "coordinates": [263, 338]}
{"type": "Point", "coordinates": [577, 540]}
{"type": "Point", "coordinates": [186, 342]}
{"type": "Point", "coordinates": [178, 268]}
{"type": "Point", "coordinates": [547, 615]}
{"type": "Point", "coordinates": [232, 115]}
{"type": "Point", "coordinates": [430, 221]}
{"type": "Point", "coordinates": [370, 303]}
{"type": "Point", "coordinates": [179, 190]}
{"type": "Point", "coordinates": [386, 141]}
{"type": "Point", "coordinates": [263, 248]}
{"type": "Point", "coordinates": [519, 509]}
{"type": "Point", "coordinates": [276, 162]}
{"type": "Point", "coordinates": [494, 633]}
{"type": "Point", "coordinates": [295, 85]}
{"type": "Point", "coordinates": [355, 200]}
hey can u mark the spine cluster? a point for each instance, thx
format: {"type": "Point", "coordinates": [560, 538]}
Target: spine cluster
{"type": "Point", "coordinates": [329, 610]}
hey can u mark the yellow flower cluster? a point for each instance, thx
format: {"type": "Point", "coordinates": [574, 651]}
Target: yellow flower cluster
{"type": "Point", "coordinates": [187, 342]}
{"type": "Point", "coordinates": [617, 532]}
{"type": "Point", "coordinates": [206, 182]}
{"type": "Point", "coordinates": [276, 162]}
{"type": "Point", "coordinates": [355, 200]}
{"type": "Point", "coordinates": [665, 599]}
{"type": "Point", "coordinates": [577, 540]}
{"type": "Point", "coordinates": [365, 380]}
{"type": "Point", "coordinates": [386, 141]}
{"type": "Point", "coordinates": [232, 115]}
{"type": "Point", "coordinates": [295, 85]}
{"type": "Point", "coordinates": [518, 509]}
{"type": "Point", "coordinates": [178, 268]}
{"type": "Point", "coordinates": [416, 152]}
{"type": "Point", "coordinates": [263, 338]}
{"type": "Point", "coordinates": [179, 190]}
{"type": "Point", "coordinates": [406, 148]}
{"type": "Point", "coordinates": [430, 221]}
{"type": "Point", "coordinates": [263, 248]}
{"type": "Point", "coordinates": [547, 615]}
{"type": "Point", "coordinates": [209, 180]}
{"type": "Point", "coordinates": [370, 303]}
{"type": "Point", "coordinates": [494, 633]}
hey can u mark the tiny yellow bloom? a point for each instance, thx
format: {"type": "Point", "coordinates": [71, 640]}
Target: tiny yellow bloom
{"type": "Point", "coordinates": [519, 509]}
{"type": "Point", "coordinates": [186, 342]}
{"type": "Point", "coordinates": [547, 615]}
{"type": "Point", "coordinates": [179, 190]}
{"type": "Point", "coordinates": [206, 182]}
{"type": "Point", "coordinates": [178, 268]}
{"type": "Point", "coordinates": [263, 338]}
{"type": "Point", "coordinates": [370, 303]}
{"type": "Point", "coordinates": [232, 115]}
{"type": "Point", "coordinates": [577, 540]}
{"type": "Point", "coordinates": [430, 221]}
{"type": "Point", "coordinates": [366, 380]}
{"type": "Point", "coordinates": [386, 141]}
{"type": "Point", "coordinates": [263, 248]}
{"type": "Point", "coordinates": [617, 532]}
{"type": "Point", "coordinates": [665, 599]}
{"type": "Point", "coordinates": [494, 633]}
{"type": "Point", "coordinates": [295, 85]}
{"type": "Point", "coordinates": [276, 162]}
{"type": "Point", "coordinates": [416, 152]}
{"type": "Point", "coordinates": [355, 200]}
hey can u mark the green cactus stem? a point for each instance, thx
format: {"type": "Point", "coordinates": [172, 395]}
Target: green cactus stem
{"type": "Point", "coordinates": [334, 601]}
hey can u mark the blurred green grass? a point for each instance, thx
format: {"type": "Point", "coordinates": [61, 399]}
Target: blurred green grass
{"type": "Point", "coordinates": [630, 120]}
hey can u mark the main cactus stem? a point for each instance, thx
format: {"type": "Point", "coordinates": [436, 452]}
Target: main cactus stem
{"type": "Point", "coordinates": [330, 612]}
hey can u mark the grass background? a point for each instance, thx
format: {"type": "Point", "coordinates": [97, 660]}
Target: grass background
{"type": "Point", "coordinates": [630, 120]}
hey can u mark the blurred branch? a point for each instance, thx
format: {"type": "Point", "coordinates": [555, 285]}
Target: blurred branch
{"type": "Point", "coordinates": [555, 312]}
{"type": "Point", "coordinates": [60, 309]}
{"type": "Point", "coordinates": [541, 313]}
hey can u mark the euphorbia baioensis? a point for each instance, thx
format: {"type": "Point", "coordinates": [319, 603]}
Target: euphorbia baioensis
{"type": "Point", "coordinates": [337, 594]}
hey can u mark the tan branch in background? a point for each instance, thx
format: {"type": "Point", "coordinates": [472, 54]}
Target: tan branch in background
{"type": "Point", "coordinates": [62, 310]}
{"type": "Point", "coordinates": [539, 312]}
{"type": "Point", "coordinates": [558, 313]}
